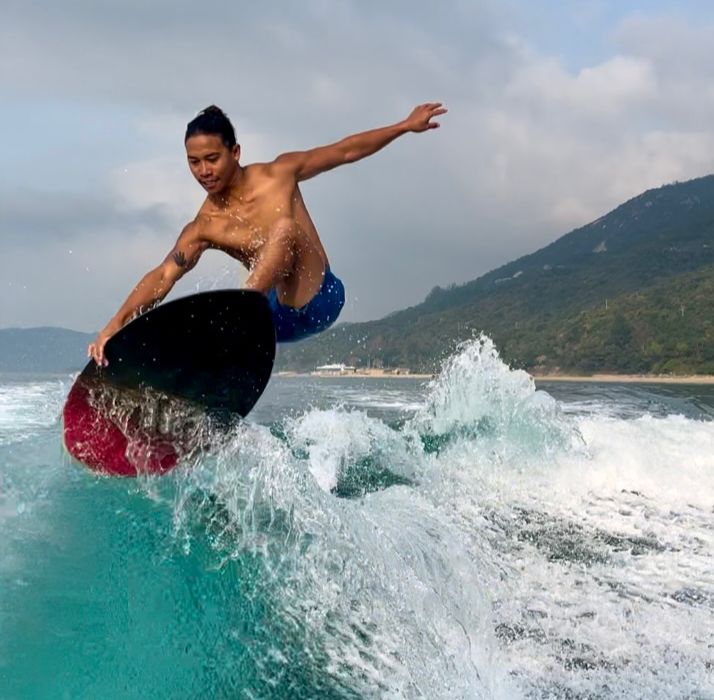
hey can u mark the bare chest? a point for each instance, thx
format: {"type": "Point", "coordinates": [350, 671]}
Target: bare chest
{"type": "Point", "coordinates": [242, 228]}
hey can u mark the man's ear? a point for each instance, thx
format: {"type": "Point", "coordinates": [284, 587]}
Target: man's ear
{"type": "Point", "coordinates": [236, 152]}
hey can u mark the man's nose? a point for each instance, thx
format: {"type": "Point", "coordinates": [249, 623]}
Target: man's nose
{"type": "Point", "coordinates": [204, 169]}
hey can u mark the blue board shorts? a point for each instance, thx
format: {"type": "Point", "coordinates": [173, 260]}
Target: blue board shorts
{"type": "Point", "coordinates": [317, 315]}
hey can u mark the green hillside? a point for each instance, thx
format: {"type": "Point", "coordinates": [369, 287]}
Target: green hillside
{"type": "Point", "coordinates": [630, 292]}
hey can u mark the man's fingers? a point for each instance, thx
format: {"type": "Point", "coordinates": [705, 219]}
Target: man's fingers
{"type": "Point", "coordinates": [97, 354]}
{"type": "Point", "coordinates": [428, 106]}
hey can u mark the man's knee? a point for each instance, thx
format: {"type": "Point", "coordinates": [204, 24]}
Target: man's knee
{"type": "Point", "coordinates": [285, 233]}
{"type": "Point", "coordinates": [284, 226]}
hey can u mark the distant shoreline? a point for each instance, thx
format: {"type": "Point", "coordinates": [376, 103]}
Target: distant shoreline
{"type": "Point", "coordinates": [592, 378]}
{"type": "Point", "coordinates": [365, 374]}
{"type": "Point", "coordinates": [628, 378]}
{"type": "Point", "coordinates": [694, 379]}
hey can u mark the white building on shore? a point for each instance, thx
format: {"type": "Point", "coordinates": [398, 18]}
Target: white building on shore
{"type": "Point", "coordinates": [335, 370]}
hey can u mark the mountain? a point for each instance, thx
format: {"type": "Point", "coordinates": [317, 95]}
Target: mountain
{"type": "Point", "coordinates": [632, 291]}
{"type": "Point", "coordinates": [42, 349]}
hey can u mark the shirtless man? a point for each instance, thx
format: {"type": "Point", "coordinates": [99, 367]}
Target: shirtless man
{"type": "Point", "coordinates": [256, 214]}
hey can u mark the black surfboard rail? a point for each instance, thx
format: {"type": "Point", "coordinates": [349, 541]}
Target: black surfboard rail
{"type": "Point", "coordinates": [215, 349]}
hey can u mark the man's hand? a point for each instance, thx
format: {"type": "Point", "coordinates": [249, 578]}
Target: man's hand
{"type": "Point", "coordinates": [96, 349]}
{"type": "Point", "coordinates": [152, 287]}
{"type": "Point", "coordinates": [420, 118]}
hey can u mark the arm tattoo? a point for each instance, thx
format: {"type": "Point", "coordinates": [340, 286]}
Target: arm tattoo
{"type": "Point", "coordinates": [180, 259]}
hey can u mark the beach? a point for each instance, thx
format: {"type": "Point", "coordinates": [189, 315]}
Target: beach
{"type": "Point", "coordinates": [628, 378]}
{"type": "Point", "coordinates": [604, 378]}
{"type": "Point", "coordinates": [359, 374]}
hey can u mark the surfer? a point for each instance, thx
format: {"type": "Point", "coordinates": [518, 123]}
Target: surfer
{"type": "Point", "coordinates": [256, 214]}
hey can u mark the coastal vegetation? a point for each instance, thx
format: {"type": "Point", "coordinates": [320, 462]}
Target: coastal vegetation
{"type": "Point", "coordinates": [632, 292]}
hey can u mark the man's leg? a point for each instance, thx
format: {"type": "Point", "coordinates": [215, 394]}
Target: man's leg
{"type": "Point", "coordinates": [289, 263]}
{"type": "Point", "coordinates": [277, 257]}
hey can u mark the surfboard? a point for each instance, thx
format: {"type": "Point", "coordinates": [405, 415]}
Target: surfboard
{"type": "Point", "coordinates": [209, 354]}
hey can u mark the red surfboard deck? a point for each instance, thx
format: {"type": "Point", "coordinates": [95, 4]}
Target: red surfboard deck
{"type": "Point", "coordinates": [212, 351]}
{"type": "Point", "coordinates": [93, 438]}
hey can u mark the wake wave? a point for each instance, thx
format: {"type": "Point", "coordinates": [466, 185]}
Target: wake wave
{"type": "Point", "coordinates": [443, 556]}
{"type": "Point", "coordinates": [490, 543]}
{"type": "Point", "coordinates": [352, 523]}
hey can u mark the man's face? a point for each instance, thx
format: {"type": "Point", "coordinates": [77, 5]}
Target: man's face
{"type": "Point", "coordinates": [212, 163]}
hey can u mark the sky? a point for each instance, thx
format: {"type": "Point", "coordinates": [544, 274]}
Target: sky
{"type": "Point", "coordinates": [558, 112]}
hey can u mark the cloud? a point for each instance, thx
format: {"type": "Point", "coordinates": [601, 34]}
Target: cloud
{"type": "Point", "coordinates": [33, 218]}
{"type": "Point", "coordinates": [605, 90]}
{"type": "Point", "coordinates": [533, 145]}
{"type": "Point", "coordinates": [83, 277]}
{"type": "Point", "coordinates": [680, 54]}
{"type": "Point", "coordinates": [266, 60]}
{"type": "Point", "coordinates": [156, 184]}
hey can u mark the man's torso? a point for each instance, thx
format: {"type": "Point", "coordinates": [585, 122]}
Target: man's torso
{"type": "Point", "coordinates": [241, 227]}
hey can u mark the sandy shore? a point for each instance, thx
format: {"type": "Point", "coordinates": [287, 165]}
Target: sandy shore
{"type": "Point", "coordinates": [610, 378]}
{"type": "Point", "coordinates": [629, 378]}
{"type": "Point", "coordinates": [370, 374]}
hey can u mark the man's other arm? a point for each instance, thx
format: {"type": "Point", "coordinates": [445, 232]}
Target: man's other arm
{"type": "Point", "coordinates": [307, 164]}
{"type": "Point", "coordinates": [152, 287]}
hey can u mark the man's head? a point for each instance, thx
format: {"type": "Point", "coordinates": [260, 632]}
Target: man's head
{"type": "Point", "coordinates": [211, 149]}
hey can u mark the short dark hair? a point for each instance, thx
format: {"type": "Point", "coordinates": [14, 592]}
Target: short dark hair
{"type": "Point", "coordinates": [212, 120]}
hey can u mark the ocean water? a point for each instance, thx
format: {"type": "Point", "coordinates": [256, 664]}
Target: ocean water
{"type": "Point", "coordinates": [470, 537]}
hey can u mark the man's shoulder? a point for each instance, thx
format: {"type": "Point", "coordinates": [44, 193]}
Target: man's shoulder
{"type": "Point", "coordinates": [197, 226]}
{"type": "Point", "coordinates": [267, 170]}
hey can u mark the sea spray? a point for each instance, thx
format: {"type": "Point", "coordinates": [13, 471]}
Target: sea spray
{"type": "Point", "coordinates": [388, 592]}
{"type": "Point", "coordinates": [344, 449]}
{"type": "Point", "coordinates": [345, 580]}
{"type": "Point", "coordinates": [513, 547]}
{"type": "Point", "coordinates": [478, 400]}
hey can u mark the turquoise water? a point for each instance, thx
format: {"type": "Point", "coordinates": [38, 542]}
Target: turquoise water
{"type": "Point", "coordinates": [472, 537]}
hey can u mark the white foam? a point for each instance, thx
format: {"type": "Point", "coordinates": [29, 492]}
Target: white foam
{"type": "Point", "coordinates": [555, 546]}
{"type": "Point", "coordinates": [668, 459]}
{"type": "Point", "coordinates": [27, 407]}
{"type": "Point", "coordinates": [336, 438]}
{"type": "Point", "coordinates": [537, 552]}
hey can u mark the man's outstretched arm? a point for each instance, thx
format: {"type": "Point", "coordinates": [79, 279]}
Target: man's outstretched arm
{"type": "Point", "coordinates": [151, 289]}
{"type": "Point", "coordinates": [307, 164]}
